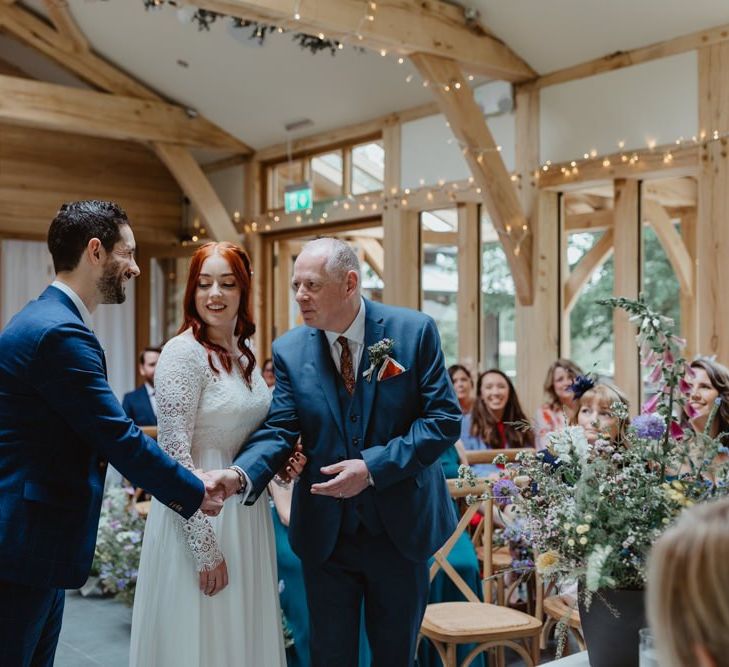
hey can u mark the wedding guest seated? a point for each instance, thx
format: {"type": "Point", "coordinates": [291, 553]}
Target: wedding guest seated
{"type": "Point", "coordinates": [687, 588]}
{"type": "Point", "coordinates": [494, 419]}
{"type": "Point", "coordinates": [140, 404]}
{"type": "Point", "coordinates": [268, 373]}
{"type": "Point", "coordinates": [556, 412]}
{"type": "Point", "coordinates": [709, 382]}
{"type": "Point", "coordinates": [463, 386]}
{"type": "Point", "coordinates": [595, 411]}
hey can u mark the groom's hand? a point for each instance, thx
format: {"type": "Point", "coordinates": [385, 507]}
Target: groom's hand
{"type": "Point", "coordinates": [227, 482]}
{"type": "Point", "coordinates": [352, 477]}
{"type": "Point", "coordinates": [214, 496]}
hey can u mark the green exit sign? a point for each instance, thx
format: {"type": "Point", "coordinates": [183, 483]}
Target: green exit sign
{"type": "Point", "coordinates": [297, 198]}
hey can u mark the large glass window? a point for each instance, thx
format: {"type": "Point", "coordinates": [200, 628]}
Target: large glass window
{"type": "Point", "coordinates": [368, 167]}
{"type": "Point", "coordinates": [591, 325]}
{"type": "Point", "coordinates": [498, 335]}
{"type": "Point", "coordinates": [327, 175]}
{"type": "Point", "coordinates": [439, 278]}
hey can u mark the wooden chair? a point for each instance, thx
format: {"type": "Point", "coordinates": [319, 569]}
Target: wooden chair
{"type": "Point", "coordinates": [555, 609]}
{"type": "Point", "coordinates": [490, 626]}
{"type": "Point", "coordinates": [501, 558]}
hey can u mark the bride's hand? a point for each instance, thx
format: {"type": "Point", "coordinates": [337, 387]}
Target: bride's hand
{"type": "Point", "coordinates": [215, 580]}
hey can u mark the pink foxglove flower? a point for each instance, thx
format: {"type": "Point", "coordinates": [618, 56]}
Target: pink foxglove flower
{"type": "Point", "coordinates": [690, 372]}
{"type": "Point", "coordinates": [655, 374]}
{"type": "Point", "coordinates": [690, 410]}
{"type": "Point", "coordinates": [668, 357]}
{"type": "Point", "coordinates": [683, 386]}
{"type": "Point", "coordinates": [651, 405]}
{"type": "Point", "coordinates": [676, 430]}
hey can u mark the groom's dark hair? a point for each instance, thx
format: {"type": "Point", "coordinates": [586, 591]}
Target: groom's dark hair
{"type": "Point", "coordinates": [77, 223]}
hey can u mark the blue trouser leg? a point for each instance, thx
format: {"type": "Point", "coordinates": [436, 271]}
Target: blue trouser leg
{"type": "Point", "coordinates": [395, 592]}
{"type": "Point", "coordinates": [30, 623]}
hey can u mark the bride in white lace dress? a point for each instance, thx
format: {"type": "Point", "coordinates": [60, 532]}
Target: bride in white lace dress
{"type": "Point", "coordinates": [207, 591]}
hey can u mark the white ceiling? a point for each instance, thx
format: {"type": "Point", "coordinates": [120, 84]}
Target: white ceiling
{"type": "Point", "coordinates": [253, 91]}
{"type": "Point", "coordinates": [552, 34]}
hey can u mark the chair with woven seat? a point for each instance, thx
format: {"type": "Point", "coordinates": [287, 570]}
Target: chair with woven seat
{"type": "Point", "coordinates": [449, 624]}
{"type": "Point", "coordinates": [556, 610]}
{"type": "Point", "coordinates": [501, 558]}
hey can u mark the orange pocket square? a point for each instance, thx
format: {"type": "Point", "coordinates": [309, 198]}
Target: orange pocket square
{"type": "Point", "coordinates": [389, 369]}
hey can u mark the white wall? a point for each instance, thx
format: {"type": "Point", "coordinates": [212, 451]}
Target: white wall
{"type": "Point", "coordinates": [27, 269]}
{"type": "Point", "coordinates": [427, 154]}
{"type": "Point", "coordinates": [655, 101]}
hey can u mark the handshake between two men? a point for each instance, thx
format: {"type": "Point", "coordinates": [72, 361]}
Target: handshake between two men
{"type": "Point", "coordinates": [222, 484]}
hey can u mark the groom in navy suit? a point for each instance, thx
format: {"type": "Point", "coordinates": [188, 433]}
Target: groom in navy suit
{"type": "Point", "coordinates": [59, 425]}
{"type": "Point", "coordinates": [365, 387]}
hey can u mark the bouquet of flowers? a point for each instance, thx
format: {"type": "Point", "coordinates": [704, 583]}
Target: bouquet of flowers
{"type": "Point", "coordinates": [592, 511]}
{"type": "Point", "coordinates": [118, 544]}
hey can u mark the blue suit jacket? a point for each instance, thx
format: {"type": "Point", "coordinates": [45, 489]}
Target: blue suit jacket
{"type": "Point", "coordinates": [59, 423]}
{"type": "Point", "coordinates": [408, 421]}
{"type": "Point", "coordinates": [138, 407]}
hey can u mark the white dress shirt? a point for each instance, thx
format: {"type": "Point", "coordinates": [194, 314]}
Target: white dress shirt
{"type": "Point", "coordinates": [152, 399]}
{"type": "Point", "coordinates": [355, 336]}
{"type": "Point", "coordinates": [82, 309]}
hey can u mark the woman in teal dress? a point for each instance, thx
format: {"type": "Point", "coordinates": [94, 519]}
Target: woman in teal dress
{"type": "Point", "coordinates": [464, 560]}
{"type": "Point", "coordinates": [291, 586]}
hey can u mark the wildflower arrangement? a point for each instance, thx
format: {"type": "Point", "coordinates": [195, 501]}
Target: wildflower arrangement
{"type": "Point", "coordinates": [592, 511]}
{"type": "Point", "coordinates": [119, 544]}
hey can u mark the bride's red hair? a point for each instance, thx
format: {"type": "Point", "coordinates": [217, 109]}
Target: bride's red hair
{"type": "Point", "coordinates": [240, 265]}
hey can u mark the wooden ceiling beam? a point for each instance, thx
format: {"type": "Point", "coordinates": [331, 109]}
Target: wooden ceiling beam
{"type": "Point", "coordinates": [647, 163]}
{"type": "Point", "coordinates": [486, 164]}
{"type": "Point", "coordinates": [88, 66]}
{"type": "Point", "coordinates": [403, 26]}
{"type": "Point", "coordinates": [620, 59]}
{"type": "Point", "coordinates": [65, 24]}
{"type": "Point", "coordinates": [64, 109]}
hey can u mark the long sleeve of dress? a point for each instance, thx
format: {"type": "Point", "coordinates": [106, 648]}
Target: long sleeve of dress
{"type": "Point", "coordinates": [180, 378]}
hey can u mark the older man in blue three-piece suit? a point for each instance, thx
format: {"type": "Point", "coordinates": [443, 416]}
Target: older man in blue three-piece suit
{"type": "Point", "coordinates": [59, 425]}
{"type": "Point", "coordinates": [365, 387]}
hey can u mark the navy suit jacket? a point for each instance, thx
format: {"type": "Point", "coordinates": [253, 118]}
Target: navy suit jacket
{"type": "Point", "coordinates": [408, 421]}
{"type": "Point", "coordinates": [59, 423]}
{"type": "Point", "coordinates": [139, 408]}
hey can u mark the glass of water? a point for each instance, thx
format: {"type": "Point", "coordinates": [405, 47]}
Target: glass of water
{"type": "Point", "coordinates": [648, 656]}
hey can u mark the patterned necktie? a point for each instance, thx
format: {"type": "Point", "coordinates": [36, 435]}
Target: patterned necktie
{"type": "Point", "coordinates": [346, 367]}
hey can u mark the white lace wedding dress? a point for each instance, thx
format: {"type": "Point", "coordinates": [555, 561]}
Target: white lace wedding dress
{"type": "Point", "coordinates": [203, 420]}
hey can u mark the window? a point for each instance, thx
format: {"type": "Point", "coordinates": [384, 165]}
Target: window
{"type": "Point", "coordinates": [498, 303]}
{"type": "Point", "coordinates": [368, 168]}
{"type": "Point", "coordinates": [327, 176]}
{"type": "Point", "coordinates": [439, 277]}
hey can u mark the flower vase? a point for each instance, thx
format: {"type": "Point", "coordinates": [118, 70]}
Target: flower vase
{"type": "Point", "coordinates": [611, 626]}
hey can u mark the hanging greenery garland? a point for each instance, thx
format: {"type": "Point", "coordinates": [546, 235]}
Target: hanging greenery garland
{"type": "Point", "coordinates": [204, 18]}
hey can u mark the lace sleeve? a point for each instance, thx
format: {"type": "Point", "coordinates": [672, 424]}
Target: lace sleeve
{"type": "Point", "coordinates": [179, 380]}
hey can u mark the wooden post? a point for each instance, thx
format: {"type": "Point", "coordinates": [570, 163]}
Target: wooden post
{"type": "Point", "coordinates": [538, 325]}
{"type": "Point", "coordinates": [401, 232]}
{"type": "Point", "coordinates": [262, 295]}
{"type": "Point", "coordinates": [469, 285]}
{"type": "Point", "coordinates": [689, 305]}
{"type": "Point", "coordinates": [628, 260]}
{"type": "Point", "coordinates": [402, 257]}
{"type": "Point", "coordinates": [712, 234]}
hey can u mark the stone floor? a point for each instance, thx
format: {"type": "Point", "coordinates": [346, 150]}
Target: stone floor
{"type": "Point", "coordinates": [96, 633]}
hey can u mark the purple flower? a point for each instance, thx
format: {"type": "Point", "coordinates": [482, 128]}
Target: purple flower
{"type": "Point", "coordinates": [504, 492]}
{"type": "Point", "coordinates": [649, 426]}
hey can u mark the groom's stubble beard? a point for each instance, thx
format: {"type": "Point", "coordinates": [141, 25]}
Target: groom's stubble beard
{"type": "Point", "coordinates": [111, 283]}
